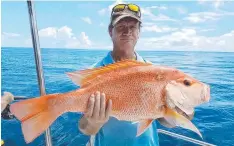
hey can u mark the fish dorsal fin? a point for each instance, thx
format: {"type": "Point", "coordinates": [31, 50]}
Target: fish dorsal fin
{"type": "Point", "coordinates": [84, 77]}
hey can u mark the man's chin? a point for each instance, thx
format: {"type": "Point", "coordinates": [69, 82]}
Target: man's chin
{"type": "Point", "coordinates": [126, 41]}
{"type": "Point", "coordinates": [127, 44]}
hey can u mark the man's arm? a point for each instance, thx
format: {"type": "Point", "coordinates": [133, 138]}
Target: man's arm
{"type": "Point", "coordinates": [96, 115]}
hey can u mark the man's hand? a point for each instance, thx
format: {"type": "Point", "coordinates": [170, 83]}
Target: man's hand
{"type": "Point", "coordinates": [6, 99]}
{"type": "Point", "coordinates": [97, 114]}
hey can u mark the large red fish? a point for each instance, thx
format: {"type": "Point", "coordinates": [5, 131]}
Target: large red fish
{"type": "Point", "coordinates": [139, 92]}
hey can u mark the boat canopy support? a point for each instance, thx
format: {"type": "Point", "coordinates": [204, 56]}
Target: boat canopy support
{"type": "Point", "coordinates": [37, 54]}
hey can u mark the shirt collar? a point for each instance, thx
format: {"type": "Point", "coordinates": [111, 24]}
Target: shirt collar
{"type": "Point", "coordinates": [109, 60]}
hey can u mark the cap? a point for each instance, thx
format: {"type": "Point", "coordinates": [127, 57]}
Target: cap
{"type": "Point", "coordinates": [117, 16]}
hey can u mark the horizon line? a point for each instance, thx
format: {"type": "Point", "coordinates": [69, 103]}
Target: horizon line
{"type": "Point", "coordinates": [108, 49]}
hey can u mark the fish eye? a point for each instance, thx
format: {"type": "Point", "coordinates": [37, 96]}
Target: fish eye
{"type": "Point", "coordinates": [187, 83]}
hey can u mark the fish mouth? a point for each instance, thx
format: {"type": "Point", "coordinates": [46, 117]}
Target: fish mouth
{"type": "Point", "coordinates": [206, 93]}
{"type": "Point", "coordinates": [182, 113]}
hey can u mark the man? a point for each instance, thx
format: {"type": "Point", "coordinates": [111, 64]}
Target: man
{"type": "Point", "coordinates": [124, 30]}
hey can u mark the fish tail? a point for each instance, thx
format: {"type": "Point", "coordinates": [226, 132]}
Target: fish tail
{"type": "Point", "coordinates": [174, 118]}
{"type": "Point", "coordinates": [36, 115]}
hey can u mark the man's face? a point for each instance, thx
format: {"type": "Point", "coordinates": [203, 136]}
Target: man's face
{"type": "Point", "coordinates": [125, 33]}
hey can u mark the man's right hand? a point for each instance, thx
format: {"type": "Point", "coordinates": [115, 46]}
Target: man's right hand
{"type": "Point", "coordinates": [97, 114]}
{"type": "Point", "coordinates": [6, 99]}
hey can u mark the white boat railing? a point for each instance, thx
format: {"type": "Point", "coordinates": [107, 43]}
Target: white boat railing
{"type": "Point", "coordinates": [185, 138]}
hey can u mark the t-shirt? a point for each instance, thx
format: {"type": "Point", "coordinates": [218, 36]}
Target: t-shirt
{"type": "Point", "coordinates": [123, 133]}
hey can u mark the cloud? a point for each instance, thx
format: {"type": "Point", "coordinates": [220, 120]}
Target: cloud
{"type": "Point", "coordinates": [102, 24]}
{"type": "Point", "coordinates": [8, 36]}
{"type": "Point", "coordinates": [188, 40]}
{"type": "Point", "coordinates": [73, 43]}
{"type": "Point", "coordinates": [215, 3]}
{"type": "Point", "coordinates": [148, 23]}
{"type": "Point", "coordinates": [64, 32]}
{"type": "Point", "coordinates": [53, 37]}
{"type": "Point", "coordinates": [207, 16]}
{"type": "Point", "coordinates": [60, 33]}
{"type": "Point", "coordinates": [28, 42]}
{"type": "Point", "coordinates": [155, 28]}
{"type": "Point", "coordinates": [218, 3]}
{"type": "Point", "coordinates": [147, 14]}
{"type": "Point", "coordinates": [85, 39]}
{"type": "Point", "coordinates": [181, 10]}
{"type": "Point", "coordinates": [102, 11]}
{"type": "Point", "coordinates": [50, 37]}
{"type": "Point", "coordinates": [158, 7]}
{"type": "Point", "coordinates": [202, 17]}
{"type": "Point", "coordinates": [5, 34]}
{"type": "Point", "coordinates": [162, 17]}
{"type": "Point", "coordinates": [107, 10]}
{"type": "Point", "coordinates": [206, 30]}
{"type": "Point", "coordinates": [87, 20]}
{"type": "Point", "coordinates": [10, 39]}
{"type": "Point", "coordinates": [48, 32]}
{"type": "Point", "coordinates": [146, 11]}
{"type": "Point", "coordinates": [179, 38]}
{"type": "Point", "coordinates": [220, 43]}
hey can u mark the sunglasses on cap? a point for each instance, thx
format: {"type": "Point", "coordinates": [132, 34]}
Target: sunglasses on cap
{"type": "Point", "coordinates": [131, 7]}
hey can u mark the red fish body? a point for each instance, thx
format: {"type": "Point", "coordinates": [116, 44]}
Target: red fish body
{"type": "Point", "coordinates": [139, 92]}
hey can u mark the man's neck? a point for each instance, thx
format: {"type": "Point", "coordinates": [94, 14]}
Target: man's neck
{"type": "Point", "coordinates": [118, 55]}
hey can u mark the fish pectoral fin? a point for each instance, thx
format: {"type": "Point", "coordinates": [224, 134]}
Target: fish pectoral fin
{"type": "Point", "coordinates": [143, 125]}
{"type": "Point", "coordinates": [85, 77]}
{"type": "Point", "coordinates": [174, 118]}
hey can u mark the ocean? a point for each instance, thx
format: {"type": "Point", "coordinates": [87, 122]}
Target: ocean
{"type": "Point", "coordinates": [215, 119]}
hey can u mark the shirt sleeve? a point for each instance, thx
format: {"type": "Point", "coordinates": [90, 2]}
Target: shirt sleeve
{"type": "Point", "coordinates": [97, 64]}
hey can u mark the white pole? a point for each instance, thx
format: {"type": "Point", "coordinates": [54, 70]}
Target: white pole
{"type": "Point", "coordinates": [37, 53]}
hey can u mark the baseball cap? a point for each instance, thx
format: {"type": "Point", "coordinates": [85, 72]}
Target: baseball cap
{"type": "Point", "coordinates": [121, 11]}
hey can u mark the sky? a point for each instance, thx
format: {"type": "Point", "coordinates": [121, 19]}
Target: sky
{"type": "Point", "coordinates": [167, 25]}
